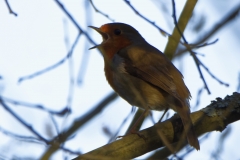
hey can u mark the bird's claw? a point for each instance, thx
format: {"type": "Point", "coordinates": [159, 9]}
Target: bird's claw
{"type": "Point", "coordinates": [139, 135]}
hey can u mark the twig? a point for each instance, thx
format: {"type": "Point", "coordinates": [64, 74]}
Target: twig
{"type": "Point", "coordinates": [33, 140]}
{"type": "Point", "coordinates": [219, 25]}
{"type": "Point", "coordinates": [200, 91]}
{"type": "Point", "coordinates": [70, 65]}
{"type": "Point", "coordinates": [85, 118]}
{"type": "Point", "coordinates": [20, 137]}
{"type": "Point", "coordinates": [74, 22]}
{"type": "Point", "coordinates": [229, 16]}
{"type": "Point", "coordinates": [193, 46]}
{"type": "Point", "coordinates": [238, 88]}
{"type": "Point", "coordinates": [10, 9]}
{"type": "Point", "coordinates": [146, 19]}
{"type": "Point", "coordinates": [175, 38]}
{"type": "Point", "coordinates": [214, 77]}
{"type": "Point", "coordinates": [52, 66]}
{"type": "Point", "coordinates": [119, 128]}
{"type": "Point", "coordinates": [85, 56]}
{"type": "Point", "coordinates": [220, 146]}
{"type": "Point", "coordinates": [71, 77]}
{"type": "Point", "coordinates": [190, 149]}
{"type": "Point", "coordinates": [100, 12]}
{"type": "Point", "coordinates": [206, 44]}
{"type": "Point", "coordinates": [196, 60]}
{"type": "Point", "coordinates": [29, 127]}
{"type": "Point", "coordinates": [78, 123]}
{"type": "Point", "coordinates": [37, 106]}
{"type": "Point", "coordinates": [54, 123]}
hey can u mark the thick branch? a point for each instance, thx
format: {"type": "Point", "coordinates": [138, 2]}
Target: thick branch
{"type": "Point", "coordinates": [215, 117]}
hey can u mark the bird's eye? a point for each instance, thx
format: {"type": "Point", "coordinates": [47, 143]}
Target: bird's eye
{"type": "Point", "coordinates": [117, 31]}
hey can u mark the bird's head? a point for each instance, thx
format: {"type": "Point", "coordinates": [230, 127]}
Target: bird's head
{"type": "Point", "coordinates": [116, 36]}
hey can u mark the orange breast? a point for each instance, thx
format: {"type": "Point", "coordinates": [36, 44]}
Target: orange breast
{"type": "Point", "coordinates": [111, 47]}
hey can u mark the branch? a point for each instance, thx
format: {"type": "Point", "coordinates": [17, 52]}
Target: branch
{"type": "Point", "coordinates": [10, 9]}
{"type": "Point", "coordinates": [238, 88]}
{"type": "Point", "coordinates": [20, 120]}
{"type": "Point", "coordinates": [100, 12]}
{"type": "Point", "coordinates": [62, 112]}
{"type": "Point", "coordinates": [215, 117]}
{"type": "Point", "coordinates": [219, 25]}
{"type": "Point", "coordinates": [212, 75]}
{"type": "Point", "coordinates": [77, 124]}
{"type": "Point", "coordinates": [179, 34]}
{"type": "Point", "coordinates": [174, 39]}
{"type": "Point", "coordinates": [228, 18]}
{"type": "Point", "coordinates": [146, 19]}
{"type": "Point", "coordinates": [52, 66]}
{"type": "Point", "coordinates": [40, 138]}
{"type": "Point", "coordinates": [196, 60]}
{"type": "Point", "coordinates": [21, 137]}
{"type": "Point", "coordinates": [75, 22]}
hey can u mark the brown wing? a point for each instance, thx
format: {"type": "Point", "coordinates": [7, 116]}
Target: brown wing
{"type": "Point", "coordinates": [152, 66]}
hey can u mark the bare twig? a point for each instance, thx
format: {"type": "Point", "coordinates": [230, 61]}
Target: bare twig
{"type": "Point", "coordinates": [21, 137]}
{"type": "Point", "coordinates": [175, 38]}
{"type": "Point", "coordinates": [229, 17]}
{"type": "Point", "coordinates": [220, 146]}
{"type": "Point", "coordinates": [146, 19]}
{"type": "Point", "coordinates": [75, 22]}
{"type": "Point", "coordinates": [28, 126]}
{"type": "Point", "coordinates": [206, 44]}
{"type": "Point", "coordinates": [70, 66]}
{"type": "Point", "coordinates": [190, 149]}
{"type": "Point", "coordinates": [219, 25]}
{"type": "Point", "coordinates": [10, 9]}
{"type": "Point", "coordinates": [238, 88]}
{"type": "Point", "coordinates": [196, 60]}
{"type": "Point", "coordinates": [85, 55]}
{"type": "Point", "coordinates": [78, 123]}
{"type": "Point", "coordinates": [71, 77]}
{"type": "Point", "coordinates": [54, 123]}
{"type": "Point", "coordinates": [211, 74]}
{"type": "Point", "coordinates": [100, 12]}
{"type": "Point", "coordinates": [200, 91]}
{"type": "Point", "coordinates": [37, 106]}
{"type": "Point", "coordinates": [52, 66]}
{"type": "Point", "coordinates": [119, 128]}
{"type": "Point", "coordinates": [33, 140]}
{"type": "Point", "coordinates": [189, 48]}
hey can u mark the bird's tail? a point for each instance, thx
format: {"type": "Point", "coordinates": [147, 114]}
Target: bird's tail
{"type": "Point", "coordinates": [188, 127]}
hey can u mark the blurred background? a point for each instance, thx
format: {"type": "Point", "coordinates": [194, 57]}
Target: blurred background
{"type": "Point", "coordinates": [49, 78]}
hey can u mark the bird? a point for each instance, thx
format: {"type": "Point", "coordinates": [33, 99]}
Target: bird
{"type": "Point", "coordinates": [142, 75]}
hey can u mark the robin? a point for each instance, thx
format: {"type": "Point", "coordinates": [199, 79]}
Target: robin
{"type": "Point", "coordinates": [142, 75]}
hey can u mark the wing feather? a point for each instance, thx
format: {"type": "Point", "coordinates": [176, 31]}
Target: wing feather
{"type": "Point", "coordinates": [150, 65]}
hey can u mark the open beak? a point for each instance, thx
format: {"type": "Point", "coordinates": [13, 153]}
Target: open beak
{"type": "Point", "coordinates": [104, 35]}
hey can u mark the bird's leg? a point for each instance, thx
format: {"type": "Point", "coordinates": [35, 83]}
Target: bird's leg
{"type": "Point", "coordinates": [165, 111]}
{"type": "Point", "coordinates": [132, 129]}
